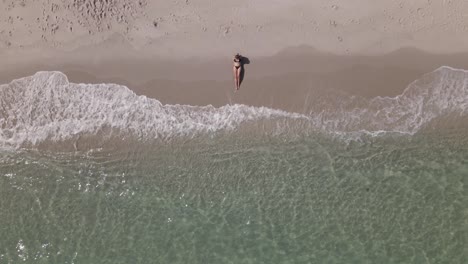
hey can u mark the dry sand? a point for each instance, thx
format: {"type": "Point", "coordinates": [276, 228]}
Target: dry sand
{"type": "Point", "coordinates": [180, 51]}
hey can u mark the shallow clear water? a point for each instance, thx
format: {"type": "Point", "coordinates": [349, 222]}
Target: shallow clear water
{"type": "Point", "coordinates": [96, 174]}
{"type": "Point", "coordinates": [240, 199]}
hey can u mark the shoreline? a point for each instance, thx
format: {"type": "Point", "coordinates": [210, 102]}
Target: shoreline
{"type": "Point", "coordinates": [283, 81]}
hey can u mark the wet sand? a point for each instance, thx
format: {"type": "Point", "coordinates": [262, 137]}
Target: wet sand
{"type": "Point", "coordinates": [286, 80]}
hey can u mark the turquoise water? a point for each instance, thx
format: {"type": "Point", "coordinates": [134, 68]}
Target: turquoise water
{"type": "Point", "coordinates": [234, 199]}
{"type": "Point", "coordinates": [96, 174]}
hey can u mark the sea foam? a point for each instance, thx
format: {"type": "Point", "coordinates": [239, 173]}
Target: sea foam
{"type": "Point", "coordinates": [438, 93]}
{"type": "Point", "coordinates": [46, 106]}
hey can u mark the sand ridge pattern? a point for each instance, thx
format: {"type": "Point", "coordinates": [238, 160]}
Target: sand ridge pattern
{"type": "Point", "coordinates": [101, 14]}
{"type": "Point", "coordinates": [258, 27]}
{"type": "Point", "coordinates": [56, 22]}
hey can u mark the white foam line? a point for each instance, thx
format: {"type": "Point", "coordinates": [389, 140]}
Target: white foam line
{"type": "Point", "coordinates": [46, 106]}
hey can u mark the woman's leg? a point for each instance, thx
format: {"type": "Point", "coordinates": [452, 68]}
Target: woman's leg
{"type": "Point", "coordinates": [238, 72]}
{"type": "Point", "coordinates": [234, 72]}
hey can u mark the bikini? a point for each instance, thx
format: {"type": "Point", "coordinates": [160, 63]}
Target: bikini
{"type": "Point", "coordinates": [237, 63]}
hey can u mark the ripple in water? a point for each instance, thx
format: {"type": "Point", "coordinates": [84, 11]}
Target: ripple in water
{"type": "Point", "coordinates": [244, 197]}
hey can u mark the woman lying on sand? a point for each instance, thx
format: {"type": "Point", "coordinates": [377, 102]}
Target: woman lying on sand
{"type": "Point", "coordinates": [237, 69]}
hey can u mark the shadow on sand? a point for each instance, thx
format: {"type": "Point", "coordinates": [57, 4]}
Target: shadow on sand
{"type": "Point", "coordinates": [244, 61]}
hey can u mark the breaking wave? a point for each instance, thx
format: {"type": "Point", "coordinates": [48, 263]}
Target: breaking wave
{"type": "Point", "coordinates": [46, 106]}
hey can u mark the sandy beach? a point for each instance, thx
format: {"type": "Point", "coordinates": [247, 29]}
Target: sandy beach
{"type": "Point", "coordinates": [180, 52]}
{"type": "Point", "coordinates": [123, 139]}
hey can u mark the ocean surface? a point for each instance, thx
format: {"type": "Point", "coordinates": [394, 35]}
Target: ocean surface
{"type": "Point", "coordinates": [93, 173]}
